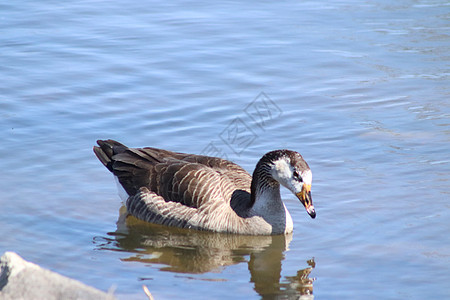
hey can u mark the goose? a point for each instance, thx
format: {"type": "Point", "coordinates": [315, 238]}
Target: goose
{"type": "Point", "coordinates": [208, 193]}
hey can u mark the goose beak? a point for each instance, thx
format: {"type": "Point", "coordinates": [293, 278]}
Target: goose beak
{"type": "Point", "coordinates": [305, 198]}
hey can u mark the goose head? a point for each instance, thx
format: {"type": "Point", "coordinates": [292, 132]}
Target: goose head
{"type": "Point", "coordinates": [291, 171]}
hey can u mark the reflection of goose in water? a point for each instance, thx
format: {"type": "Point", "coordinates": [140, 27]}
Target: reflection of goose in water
{"type": "Point", "coordinates": [208, 193]}
{"type": "Point", "coordinates": [195, 252]}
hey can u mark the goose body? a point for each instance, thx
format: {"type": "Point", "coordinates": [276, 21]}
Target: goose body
{"type": "Point", "coordinates": [208, 193]}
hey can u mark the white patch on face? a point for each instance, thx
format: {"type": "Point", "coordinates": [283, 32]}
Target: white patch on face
{"type": "Point", "coordinates": [307, 177]}
{"type": "Point", "coordinates": [283, 173]}
{"type": "Point", "coordinates": [282, 170]}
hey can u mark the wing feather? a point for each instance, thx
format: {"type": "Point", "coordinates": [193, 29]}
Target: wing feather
{"type": "Point", "coordinates": [193, 181]}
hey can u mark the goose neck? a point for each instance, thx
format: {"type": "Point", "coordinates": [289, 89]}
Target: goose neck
{"type": "Point", "coordinates": [263, 182]}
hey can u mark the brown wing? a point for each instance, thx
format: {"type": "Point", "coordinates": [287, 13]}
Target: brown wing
{"type": "Point", "coordinates": [188, 179]}
{"type": "Point", "coordinates": [237, 175]}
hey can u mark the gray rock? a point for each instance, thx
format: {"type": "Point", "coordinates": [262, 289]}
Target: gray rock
{"type": "Point", "coordinates": [20, 279]}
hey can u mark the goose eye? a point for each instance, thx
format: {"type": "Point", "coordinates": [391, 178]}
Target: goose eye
{"type": "Point", "coordinates": [297, 176]}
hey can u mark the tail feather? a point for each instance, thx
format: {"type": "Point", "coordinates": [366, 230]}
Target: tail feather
{"type": "Point", "coordinates": [131, 166]}
{"type": "Point", "coordinates": [107, 149]}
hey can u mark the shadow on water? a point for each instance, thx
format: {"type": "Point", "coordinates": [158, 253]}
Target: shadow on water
{"type": "Point", "coordinates": [196, 252]}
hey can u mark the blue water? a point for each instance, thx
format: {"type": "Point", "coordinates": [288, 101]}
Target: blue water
{"type": "Point", "coordinates": [360, 89]}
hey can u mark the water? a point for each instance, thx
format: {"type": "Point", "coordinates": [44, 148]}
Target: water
{"type": "Point", "coordinates": [359, 88]}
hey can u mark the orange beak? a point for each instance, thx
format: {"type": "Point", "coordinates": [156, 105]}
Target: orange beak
{"type": "Point", "coordinates": [305, 198]}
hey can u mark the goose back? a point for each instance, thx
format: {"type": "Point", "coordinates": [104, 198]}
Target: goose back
{"type": "Point", "coordinates": [191, 180]}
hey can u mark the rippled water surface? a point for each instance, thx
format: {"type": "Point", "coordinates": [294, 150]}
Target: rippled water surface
{"type": "Point", "coordinates": [360, 88]}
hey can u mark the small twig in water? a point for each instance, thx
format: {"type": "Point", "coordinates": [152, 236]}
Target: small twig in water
{"type": "Point", "coordinates": [147, 292]}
